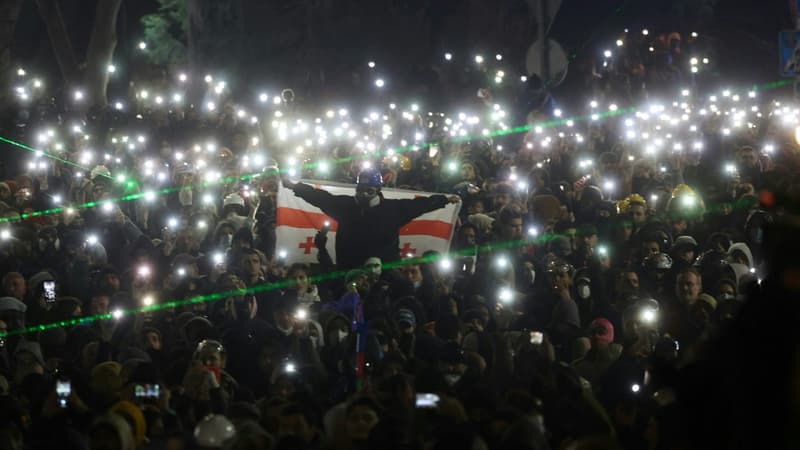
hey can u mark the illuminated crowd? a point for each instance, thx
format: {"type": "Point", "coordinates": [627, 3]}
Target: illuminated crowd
{"type": "Point", "coordinates": [146, 303]}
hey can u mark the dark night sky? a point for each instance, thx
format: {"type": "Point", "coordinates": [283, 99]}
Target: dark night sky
{"type": "Point", "coordinates": [743, 31]}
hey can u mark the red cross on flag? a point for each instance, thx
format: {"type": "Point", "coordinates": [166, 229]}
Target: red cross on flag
{"type": "Point", "coordinates": [298, 222]}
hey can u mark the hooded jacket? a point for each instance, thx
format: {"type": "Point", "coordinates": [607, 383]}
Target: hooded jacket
{"type": "Point", "coordinates": [742, 247]}
{"type": "Point", "coordinates": [367, 232]}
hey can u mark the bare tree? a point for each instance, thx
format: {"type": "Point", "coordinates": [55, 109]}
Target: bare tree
{"type": "Point", "coordinates": [92, 74]}
{"type": "Point", "coordinates": [9, 13]}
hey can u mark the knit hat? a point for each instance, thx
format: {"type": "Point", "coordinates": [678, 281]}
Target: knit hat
{"type": "Point", "coordinates": [31, 347]}
{"type": "Point", "coordinates": [407, 316]}
{"type": "Point", "coordinates": [709, 300]}
{"type": "Point", "coordinates": [105, 378]}
{"type": "Point", "coordinates": [602, 331]}
{"type": "Point", "coordinates": [133, 415]}
{"type": "Point", "coordinates": [39, 278]}
{"type": "Point", "coordinates": [12, 304]}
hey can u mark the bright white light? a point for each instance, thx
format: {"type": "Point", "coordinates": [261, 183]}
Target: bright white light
{"type": "Point", "coordinates": [502, 262]}
{"type": "Point", "coordinates": [117, 314]}
{"type": "Point", "coordinates": [149, 196]}
{"type": "Point", "coordinates": [498, 57]}
{"type": "Point", "coordinates": [619, 42]}
{"type": "Point", "coordinates": [648, 316]}
{"type": "Point", "coordinates": [371, 64]}
{"type": "Point", "coordinates": [202, 224]}
{"type": "Point", "coordinates": [532, 231]}
{"type": "Point", "coordinates": [78, 95]}
{"type": "Point", "coordinates": [379, 82]}
{"type": "Point", "coordinates": [118, 106]}
{"type": "Point", "coordinates": [479, 59]}
{"type": "Point", "coordinates": [301, 314]}
{"type": "Point", "coordinates": [108, 207]}
{"type": "Point", "coordinates": [182, 77]}
{"type": "Point", "coordinates": [505, 295]}
{"type": "Point", "coordinates": [290, 368]}
{"type": "Point", "coordinates": [263, 97]}
{"type": "Point", "coordinates": [91, 239]}
{"type": "Point", "coordinates": [607, 53]}
{"type": "Point", "coordinates": [21, 72]}
{"type": "Point", "coordinates": [645, 32]}
{"type": "Point", "coordinates": [142, 45]}
{"type": "Point", "coordinates": [172, 222]}
{"type": "Point", "coordinates": [557, 112]}
{"type": "Point", "coordinates": [635, 388]}
{"type": "Point", "coordinates": [112, 68]}
{"type": "Point", "coordinates": [218, 258]}
{"type": "Point", "coordinates": [148, 300]}
{"type": "Point", "coordinates": [448, 56]}
{"type": "Point", "coordinates": [282, 254]}
{"type": "Point", "coordinates": [144, 271]}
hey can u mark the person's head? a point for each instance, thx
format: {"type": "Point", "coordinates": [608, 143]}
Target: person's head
{"type": "Point", "coordinates": [467, 235]}
{"type": "Point", "coordinates": [151, 339]}
{"type": "Point", "coordinates": [688, 286]}
{"type": "Point", "coordinates": [650, 247]}
{"type": "Point", "coordinates": [685, 248]}
{"type": "Point", "coordinates": [374, 266]}
{"type": "Point", "coordinates": [601, 333]}
{"type": "Point", "coordinates": [283, 315]}
{"type": "Point", "coordinates": [361, 416]}
{"type": "Point", "coordinates": [746, 158]}
{"type": "Point", "coordinates": [14, 285]}
{"type": "Point", "coordinates": [638, 213]}
{"type": "Point", "coordinates": [503, 196]}
{"type": "Point", "coordinates": [560, 276]}
{"type": "Point", "coordinates": [628, 282]}
{"type": "Point", "coordinates": [99, 303]}
{"type": "Point", "coordinates": [298, 421]}
{"type": "Point", "coordinates": [368, 187]}
{"type": "Point", "coordinates": [298, 277]}
{"type": "Point", "coordinates": [509, 219]}
{"type": "Point", "coordinates": [412, 273]}
{"type": "Point", "coordinates": [250, 264]}
{"type": "Point", "coordinates": [468, 172]}
{"type": "Point", "coordinates": [211, 353]}
{"type": "Point", "coordinates": [587, 238]}
{"type": "Point", "coordinates": [406, 320]}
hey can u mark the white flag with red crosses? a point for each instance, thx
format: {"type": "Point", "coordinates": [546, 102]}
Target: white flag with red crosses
{"type": "Point", "coordinates": [298, 223]}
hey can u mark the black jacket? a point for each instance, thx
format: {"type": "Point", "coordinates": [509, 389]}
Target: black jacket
{"type": "Point", "coordinates": [367, 232]}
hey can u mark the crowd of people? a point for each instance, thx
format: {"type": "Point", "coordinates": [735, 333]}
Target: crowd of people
{"type": "Point", "coordinates": [586, 274]}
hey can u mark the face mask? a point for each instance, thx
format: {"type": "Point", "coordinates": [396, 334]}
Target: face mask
{"type": "Point", "coordinates": [225, 240]}
{"type": "Point", "coordinates": [341, 335]}
{"type": "Point", "coordinates": [584, 291]}
{"type": "Point", "coordinates": [368, 201]}
{"type": "Point", "coordinates": [285, 331]}
{"type": "Point", "coordinates": [417, 284]}
{"type": "Point", "coordinates": [452, 379]}
{"type": "Point", "coordinates": [314, 341]}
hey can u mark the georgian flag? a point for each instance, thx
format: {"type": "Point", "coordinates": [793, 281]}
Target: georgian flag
{"type": "Point", "coordinates": [298, 223]}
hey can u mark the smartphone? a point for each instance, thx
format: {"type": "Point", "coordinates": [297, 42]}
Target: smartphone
{"type": "Point", "coordinates": [427, 400]}
{"type": "Point", "coordinates": [147, 391]}
{"type": "Point", "coordinates": [433, 150]}
{"type": "Point", "coordinates": [49, 291]}
{"type": "Point", "coordinates": [63, 391]}
{"type": "Point", "coordinates": [537, 337]}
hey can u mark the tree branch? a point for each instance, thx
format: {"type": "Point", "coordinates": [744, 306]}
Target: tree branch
{"type": "Point", "coordinates": [101, 50]}
{"type": "Point", "coordinates": [62, 45]}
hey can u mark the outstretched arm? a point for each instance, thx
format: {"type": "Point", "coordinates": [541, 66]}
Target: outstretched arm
{"type": "Point", "coordinates": [324, 200]}
{"type": "Point", "coordinates": [409, 209]}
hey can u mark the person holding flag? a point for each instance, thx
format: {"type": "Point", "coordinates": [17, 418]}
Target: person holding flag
{"type": "Point", "coordinates": [368, 224]}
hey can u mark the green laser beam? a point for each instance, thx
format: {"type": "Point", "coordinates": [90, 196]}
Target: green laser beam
{"type": "Point", "coordinates": [403, 149]}
{"type": "Point", "coordinates": [48, 155]}
{"type": "Point", "coordinates": [265, 287]}
{"type": "Point", "coordinates": [690, 212]}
